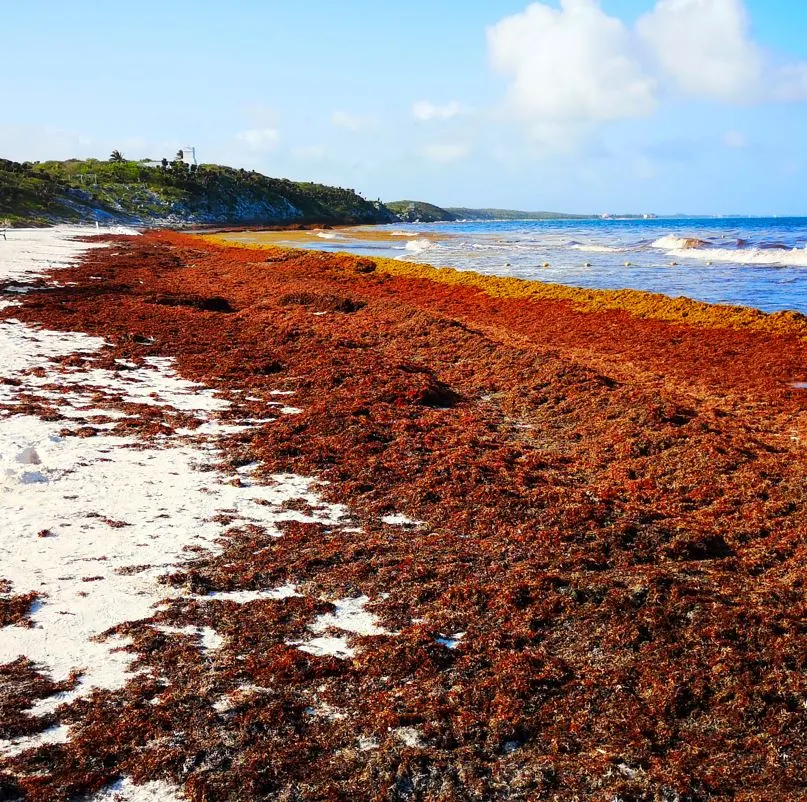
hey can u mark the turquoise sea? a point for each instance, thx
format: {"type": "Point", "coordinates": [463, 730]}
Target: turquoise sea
{"type": "Point", "coordinates": [747, 261]}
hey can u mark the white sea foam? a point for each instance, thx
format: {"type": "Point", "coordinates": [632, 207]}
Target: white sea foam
{"type": "Point", "coordinates": [775, 257]}
{"type": "Point", "coordinates": [672, 242]}
{"type": "Point", "coordinates": [695, 248]}
{"type": "Point", "coordinates": [420, 245]}
{"type": "Point", "coordinates": [598, 248]}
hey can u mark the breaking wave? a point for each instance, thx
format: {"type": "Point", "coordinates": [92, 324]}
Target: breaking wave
{"type": "Point", "coordinates": [777, 257]}
{"type": "Point", "coordinates": [776, 254]}
{"type": "Point", "coordinates": [673, 243]}
{"type": "Point", "coordinates": [420, 245]}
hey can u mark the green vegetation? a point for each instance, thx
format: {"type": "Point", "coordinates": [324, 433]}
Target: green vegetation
{"type": "Point", "coordinates": [420, 212]}
{"type": "Point", "coordinates": [170, 193]}
{"type": "Point", "coordinates": [461, 213]}
{"type": "Point", "coordinates": [33, 198]}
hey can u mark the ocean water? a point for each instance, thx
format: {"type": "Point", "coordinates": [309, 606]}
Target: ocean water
{"type": "Point", "coordinates": [754, 262]}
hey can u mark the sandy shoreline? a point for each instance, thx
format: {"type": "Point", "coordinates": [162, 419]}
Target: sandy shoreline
{"type": "Point", "coordinates": [554, 548]}
{"type": "Point", "coordinates": [336, 236]}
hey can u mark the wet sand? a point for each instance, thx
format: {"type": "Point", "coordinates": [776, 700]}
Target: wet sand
{"type": "Point", "coordinates": [332, 236]}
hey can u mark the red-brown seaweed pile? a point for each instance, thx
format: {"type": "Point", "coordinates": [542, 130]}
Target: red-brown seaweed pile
{"type": "Point", "coordinates": [611, 508]}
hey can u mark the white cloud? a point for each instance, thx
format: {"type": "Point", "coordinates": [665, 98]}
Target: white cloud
{"type": "Point", "coordinates": [260, 138]}
{"type": "Point", "coordinates": [446, 153]}
{"type": "Point", "coordinates": [353, 122]}
{"type": "Point", "coordinates": [424, 110]}
{"type": "Point", "coordinates": [575, 67]}
{"type": "Point", "coordinates": [705, 48]}
{"type": "Point", "coordinates": [570, 66]}
{"type": "Point", "coordinates": [735, 139]}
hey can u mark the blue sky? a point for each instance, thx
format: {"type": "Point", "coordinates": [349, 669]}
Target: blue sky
{"type": "Point", "coordinates": [623, 105]}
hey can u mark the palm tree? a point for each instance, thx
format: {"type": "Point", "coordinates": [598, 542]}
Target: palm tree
{"type": "Point", "coordinates": [116, 156]}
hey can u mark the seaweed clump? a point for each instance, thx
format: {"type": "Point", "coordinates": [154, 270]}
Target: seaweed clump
{"type": "Point", "coordinates": [15, 609]}
{"type": "Point", "coordinates": [321, 303]}
{"type": "Point", "coordinates": [214, 303]}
